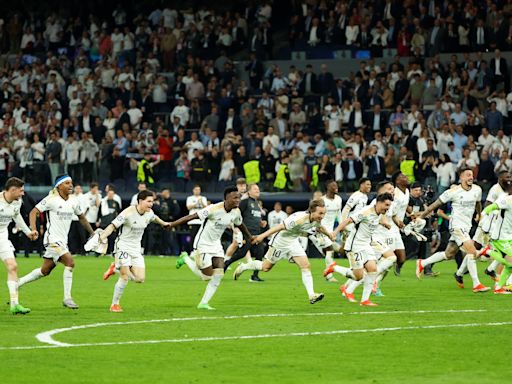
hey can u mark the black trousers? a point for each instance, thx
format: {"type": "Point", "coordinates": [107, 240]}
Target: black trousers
{"type": "Point", "coordinates": [257, 252]}
{"type": "Point", "coordinates": [77, 238]}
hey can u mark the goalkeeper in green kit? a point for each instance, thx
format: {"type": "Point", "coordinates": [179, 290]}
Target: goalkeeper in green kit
{"type": "Point", "coordinates": [501, 238]}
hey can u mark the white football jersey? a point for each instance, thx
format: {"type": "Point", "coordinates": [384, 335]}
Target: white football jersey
{"type": "Point", "coordinates": [401, 200]}
{"type": "Point", "coordinates": [366, 223]}
{"type": "Point", "coordinates": [357, 201]}
{"type": "Point", "coordinates": [463, 205]}
{"type": "Point", "coordinates": [332, 211]}
{"type": "Point", "coordinates": [92, 210]}
{"type": "Point", "coordinates": [214, 221]}
{"type": "Point", "coordinates": [200, 202]}
{"type": "Point", "coordinates": [296, 225]}
{"type": "Point", "coordinates": [131, 225]}
{"type": "Point", "coordinates": [381, 232]}
{"type": "Point", "coordinates": [502, 225]}
{"type": "Point", "coordinates": [494, 194]}
{"type": "Point", "coordinates": [9, 212]}
{"type": "Point", "coordinates": [59, 216]}
{"type": "Point", "coordinates": [276, 218]}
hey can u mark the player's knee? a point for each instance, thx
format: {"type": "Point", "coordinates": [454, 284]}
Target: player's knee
{"type": "Point", "coordinates": [358, 275]}
{"type": "Point", "coordinates": [46, 271]}
{"type": "Point", "coordinates": [139, 280]}
{"type": "Point", "coordinates": [12, 268]}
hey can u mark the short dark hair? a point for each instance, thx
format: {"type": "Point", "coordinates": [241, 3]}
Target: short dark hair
{"type": "Point", "coordinates": [395, 176]}
{"type": "Point", "coordinates": [384, 197]}
{"type": "Point", "coordinates": [143, 195]}
{"type": "Point", "coordinates": [363, 180]}
{"type": "Point", "coordinates": [464, 169]}
{"type": "Point", "coordinates": [240, 181]}
{"type": "Point", "coordinates": [501, 173]}
{"type": "Point", "coordinates": [416, 184]}
{"type": "Point", "coordinates": [229, 190]}
{"type": "Point", "coordinates": [330, 181]}
{"type": "Point", "coordinates": [93, 185]}
{"type": "Point", "coordinates": [382, 184]}
{"type": "Point", "coordinates": [14, 182]}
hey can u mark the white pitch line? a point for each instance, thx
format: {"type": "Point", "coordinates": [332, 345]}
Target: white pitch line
{"type": "Point", "coordinates": [264, 336]}
{"type": "Point", "coordinates": [47, 336]}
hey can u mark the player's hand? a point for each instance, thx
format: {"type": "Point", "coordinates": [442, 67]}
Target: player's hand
{"type": "Point", "coordinates": [256, 239]}
{"type": "Point", "coordinates": [332, 236]}
{"type": "Point", "coordinates": [33, 235]}
{"type": "Point", "coordinates": [400, 224]}
{"type": "Point", "coordinates": [167, 226]}
{"type": "Point", "coordinates": [386, 225]}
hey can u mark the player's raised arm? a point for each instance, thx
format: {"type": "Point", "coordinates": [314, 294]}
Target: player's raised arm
{"type": "Point", "coordinates": [184, 220]}
{"type": "Point", "coordinates": [270, 232]}
{"type": "Point", "coordinates": [343, 225]}
{"type": "Point", "coordinates": [436, 204]}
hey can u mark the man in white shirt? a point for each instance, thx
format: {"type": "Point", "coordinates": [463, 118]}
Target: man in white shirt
{"type": "Point", "coordinates": [92, 204]}
{"type": "Point", "coordinates": [271, 140]}
{"type": "Point", "coordinates": [277, 216]}
{"type": "Point", "coordinates": [194, 203]}
{"type": "Point", "coordinates": [182, 111]}
{"type": "Point", "coordinates": [117, 38]}
{"type": "Point", "coordinates": [486, 140]}
{"type": "Point", "coordinates": [60, 205]}
{"type": "Point", "coordinates": [141, 187]}
{"type": "Point", "coordinates": [135, 115]}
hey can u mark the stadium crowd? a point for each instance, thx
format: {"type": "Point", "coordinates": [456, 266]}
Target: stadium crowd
{"type": "Point", "coordinates": [160, 95]}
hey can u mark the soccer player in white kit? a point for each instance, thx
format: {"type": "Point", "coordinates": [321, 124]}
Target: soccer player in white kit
{"type": "Point", "coordinates": [400, 203]}
{"type": "Point", "coordinates": [324, 244]}
{"type": "Point", "coordinates": [357, 201]}
{"type": "Point", "coordinates": [60, 205]}
{"type": "Point", "coordinates": [10, 205]}
{"type": "Point", "coordinates": [384, 237]}
{"type": "Point", "coordinates": [131, 223]}
{"type": "Point", "coordinates": [284, 245]}
{"type": "Point", "coordinates": [482, 232]}
{"type": "Point", "coordinates": [361, 247]}
{"type": "Point", "coordinates": [466, 198]}
{"type": "Point", "coordinates": [207, 259]}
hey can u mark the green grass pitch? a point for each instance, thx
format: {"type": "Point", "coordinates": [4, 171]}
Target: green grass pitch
{"type": "Point", "coordinates": [416, 335]}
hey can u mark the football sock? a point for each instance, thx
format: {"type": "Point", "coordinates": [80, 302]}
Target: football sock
{"type": "Point", "coordinates": [118, 290]}
{"type": "Point", "coordinates": [307, 280]}
{"type": "Point", "coordinates": [13, 292]}
{"type": "Point", "coordinates": [473, 272]}
{"type": "Point", "coordinates": [213, 284]}
{"type": "Point", "coordinates": [347, 272]}
{"type": "Point", "coordinates": [385, 263]}
{"type": "Point", "coordinates": [435, 258]}
{"type": "Point", "coordinates": [31, 276]}
{"type": "Point", "coordinates": [368, 281]}
{"type": "Point", "coordinates": [67, 277]}
{"type": "Point", "coordinates": [507, 271]}
{"type": "Point", "coordinates": [463, 266]}
{"type": "Point", "coordinates": [353, 284]}
{"type": "Point", "coordinates": [492, 267]}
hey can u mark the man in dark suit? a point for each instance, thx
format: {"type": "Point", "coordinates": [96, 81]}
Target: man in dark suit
{"type": "Point", "coordinates": [339, 92]}
{"type": "Point", "coordinates": [375, 163]}
{"type": "Point", "coordinates": [325, 80]}
{"type": "Point", "coordinates": [435, 38]}
{"type": "Point", "coordinates": [255, 69]}
{"type": "Point", "coordinates": [499, 71]}
{"type": "Point", "coordinates": [479, 36]}
{"type": "Point", "coordinates": [375, 121]}
{"type": "Point", "coordinates": [308, 84]}
{"type": "Point", "coordinates": [352, 169]}
{"type": "Point", "coordinates": [364, 38]}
